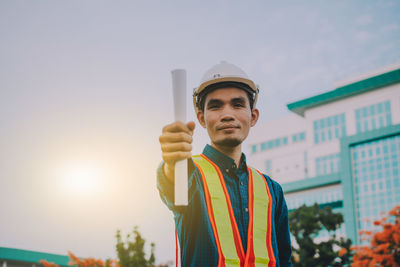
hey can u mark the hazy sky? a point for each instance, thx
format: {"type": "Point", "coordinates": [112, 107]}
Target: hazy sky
{"type": "Point", "coordinates": [85, 87]}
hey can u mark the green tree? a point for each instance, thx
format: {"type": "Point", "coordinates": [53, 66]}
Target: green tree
{"type": "Point", "coordinates": [131, 253]}
{"type": "Point", "coordinates": [305, 223]}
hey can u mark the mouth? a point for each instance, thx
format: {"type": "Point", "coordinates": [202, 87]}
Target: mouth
{"type": "Point", "coordinates": [227, 127]}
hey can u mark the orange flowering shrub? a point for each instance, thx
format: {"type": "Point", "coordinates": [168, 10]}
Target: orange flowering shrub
{"type": "Point", "coordinates": [342, 252]}
{"type": "Point", "coordinates": [384, 248]}
{"type": "Point", "coordinates": [48, 264]}
{"type": "Point", "coordinates": [89, 262]}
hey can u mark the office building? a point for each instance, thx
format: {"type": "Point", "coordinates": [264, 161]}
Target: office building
{"type": "Point", "coordinates": [340, 148]}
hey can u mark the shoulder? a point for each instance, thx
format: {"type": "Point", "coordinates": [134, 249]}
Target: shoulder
{"type": "Point", "coordinates": [274, 187]}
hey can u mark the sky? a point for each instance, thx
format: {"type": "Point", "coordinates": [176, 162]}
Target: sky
{"type": "Point", "coordinates": [85, 89]}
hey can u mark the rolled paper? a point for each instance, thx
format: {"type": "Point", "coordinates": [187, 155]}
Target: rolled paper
{"type": "Point", "coordinates": [181, 174]}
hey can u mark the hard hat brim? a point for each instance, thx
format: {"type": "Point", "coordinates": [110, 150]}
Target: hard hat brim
{"type": "Point", "coordinates": [224, 82]}
{"type": "Point", "coordinates": [248, 82]}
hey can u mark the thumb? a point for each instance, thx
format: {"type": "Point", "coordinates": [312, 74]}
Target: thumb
{"type": "Point", "coordinates": [191, 125]}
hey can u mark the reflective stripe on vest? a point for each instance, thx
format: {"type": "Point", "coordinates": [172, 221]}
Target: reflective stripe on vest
{"type": "Point", "coordinates": [229, 244]}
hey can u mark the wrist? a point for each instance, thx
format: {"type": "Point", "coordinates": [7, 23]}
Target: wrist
{"type": "Point", "coordinates": [169, 172]}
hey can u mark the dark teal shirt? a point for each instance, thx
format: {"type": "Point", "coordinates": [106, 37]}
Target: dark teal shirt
{"type": "Point", "coordinates": [195, 234]}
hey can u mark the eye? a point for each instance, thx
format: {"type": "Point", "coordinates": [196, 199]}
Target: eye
{"type": "Point", "coordinates": [213, 106]}
{"type": "Point", "coordinates": [238, 105]}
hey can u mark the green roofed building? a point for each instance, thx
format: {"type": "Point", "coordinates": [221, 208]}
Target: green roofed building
{"type": "Point", "coordinates": [12, 257]}
{"type": "Point", "coordinates": [340, 148]}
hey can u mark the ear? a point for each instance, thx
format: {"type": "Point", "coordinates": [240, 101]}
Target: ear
{"type": "Point", "coordinates": [254, 116]}
{"type": "Point", "coordinates": [200, 118]}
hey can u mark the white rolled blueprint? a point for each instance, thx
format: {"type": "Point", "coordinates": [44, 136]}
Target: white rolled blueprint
{"type": "Point", "coordinates": [181, 174]}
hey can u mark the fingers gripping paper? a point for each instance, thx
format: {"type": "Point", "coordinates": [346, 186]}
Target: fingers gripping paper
{"type": "Point", "coordinates": [181, 179]}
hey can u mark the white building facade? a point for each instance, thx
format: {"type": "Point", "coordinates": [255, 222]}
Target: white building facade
{"type": "Point", "coordinates": [340, 148]}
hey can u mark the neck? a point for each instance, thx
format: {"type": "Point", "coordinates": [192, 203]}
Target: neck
{"type": "Point", "coordinates": [233, 152]}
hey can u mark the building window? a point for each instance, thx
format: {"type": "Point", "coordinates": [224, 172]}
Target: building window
{"type": "Point", "coordinates": [278, 142]}
{"type": "Point", "coordinates": [302, 136]}
{"type": "Point", "coordinates": [270, 144]}
{"type": "Point", "coordinates": [376, 179]}
{"type": "Point", "coordinates": [329, 128]}
{"type": "Point", "coordinates": [268, 166]}
{"type": "Point", "coordinates": [327, 164]}
{"type": "Point", "coordinates": [309, 198]}
{"type": "Point", "coordinates": [298, 137]}
{"type": "Point", "coordinates": [254, 149]}
{"type": "Point", "coordinates": [263, 146]}
{"type": "Point", "coordinates": [373, 117]}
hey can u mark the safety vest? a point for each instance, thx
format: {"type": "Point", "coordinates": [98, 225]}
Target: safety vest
{"type": "Point", "coordinates": [229, 244]}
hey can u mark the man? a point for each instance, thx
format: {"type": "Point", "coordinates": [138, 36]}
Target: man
{"type": "Point", "coordinates": [236, 216]}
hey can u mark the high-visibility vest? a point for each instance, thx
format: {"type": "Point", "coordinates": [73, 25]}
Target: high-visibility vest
{"type": "Point", "coordinates": [229, 244]}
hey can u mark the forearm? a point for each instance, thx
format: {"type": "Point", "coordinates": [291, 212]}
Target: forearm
{"type": "Point", "coordinates": [284, 244]}
{"type": "Point", "coordinates": [169, 172]}
{"type": "Point", "coordinates": [283, 236]}
{"type": "Point", "coordinates": [166, 187]}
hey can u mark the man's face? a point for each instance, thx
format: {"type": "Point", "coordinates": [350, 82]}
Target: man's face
{"type": "Point", "coordinates": [227, 116]}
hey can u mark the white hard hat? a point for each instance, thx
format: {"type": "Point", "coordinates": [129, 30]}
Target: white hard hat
{"type": "Point", "coordinates": [223, 75]}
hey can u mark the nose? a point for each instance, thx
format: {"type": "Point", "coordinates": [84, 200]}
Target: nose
{"type": "Point", "coordinates": [227, 115]}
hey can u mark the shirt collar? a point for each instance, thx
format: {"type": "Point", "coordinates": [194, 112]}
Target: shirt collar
{"type": "Point", "coordinates": [223, 161]}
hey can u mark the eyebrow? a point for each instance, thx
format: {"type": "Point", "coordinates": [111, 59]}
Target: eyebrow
{"type": "Point", "coordinates": [238, 100]}
{"type": "Point", "coordinates": [214, 102]}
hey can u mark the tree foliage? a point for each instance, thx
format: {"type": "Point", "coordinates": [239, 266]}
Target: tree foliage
{"type": "Point", "coordinates": [384, 248]}
{"type": "Point", "coordinates": [305, 223]}
{"type": "Point", "coordinates": [131, 253]}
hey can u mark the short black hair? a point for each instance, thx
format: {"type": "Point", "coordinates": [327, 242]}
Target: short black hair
{"type": "Point", "coordinates": [212, 87]}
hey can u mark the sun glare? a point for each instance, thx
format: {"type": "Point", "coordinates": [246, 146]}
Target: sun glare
{"type": "Point", "coordinates": [82, 178]}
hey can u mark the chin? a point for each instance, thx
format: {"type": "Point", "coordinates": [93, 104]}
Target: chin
{"type": "Point", "coordinates": [228, 142]}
